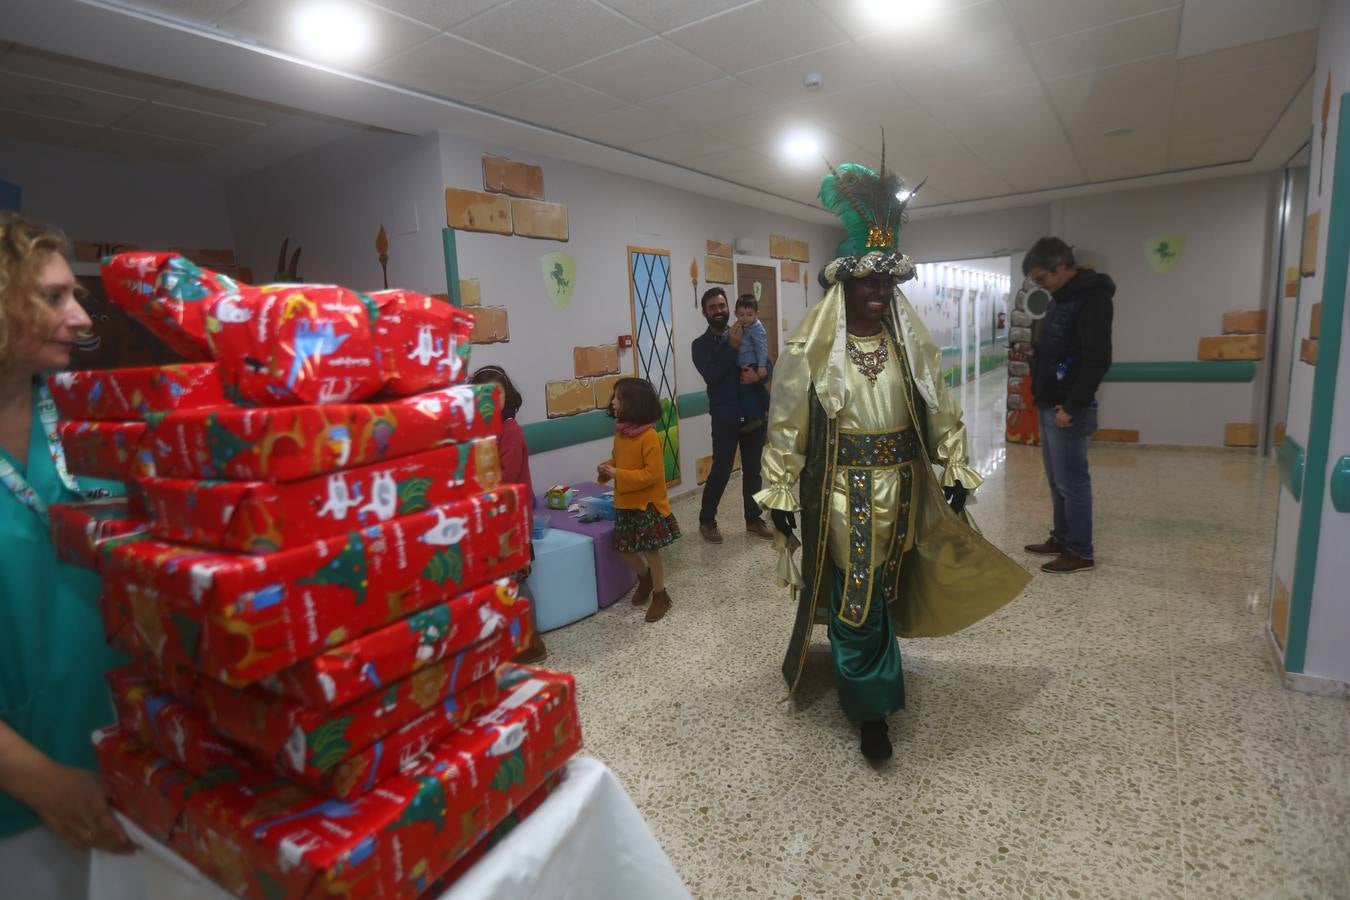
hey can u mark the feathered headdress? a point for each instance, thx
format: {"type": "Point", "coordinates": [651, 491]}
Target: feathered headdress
{"type": "Point", "coordinates": [871, 209]}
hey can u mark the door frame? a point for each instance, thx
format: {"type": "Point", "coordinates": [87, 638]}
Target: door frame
{"type": "Point", "coordinates": [776, 265]}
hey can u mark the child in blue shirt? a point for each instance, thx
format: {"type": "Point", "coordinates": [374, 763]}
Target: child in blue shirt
{"type": "Point", "coordinates": [752, 354]}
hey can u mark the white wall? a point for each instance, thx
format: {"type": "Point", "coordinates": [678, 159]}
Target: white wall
{"type": "Point", "coordinates": [333, 200]}
{"type": "Point", "coordinates": [1286, 338]}
{"type": "Point", "coordinates": [987, 234]}
{"type": "Point", "coordinates": [105, 198]}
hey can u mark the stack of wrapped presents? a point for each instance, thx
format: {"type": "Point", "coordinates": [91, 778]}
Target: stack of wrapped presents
{"type": "Point", "coordinates": [312, 573]}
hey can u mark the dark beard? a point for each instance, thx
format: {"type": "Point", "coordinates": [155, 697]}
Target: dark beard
{"type": "Point", "coordinates": [719, 322]}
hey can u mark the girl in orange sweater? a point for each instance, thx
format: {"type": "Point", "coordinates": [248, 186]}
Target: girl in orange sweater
{"type": "Point", "coordinates": [643, 520]}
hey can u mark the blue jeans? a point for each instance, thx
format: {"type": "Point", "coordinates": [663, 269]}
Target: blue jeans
{"type": "Point", "coordinates": [1065, 453]}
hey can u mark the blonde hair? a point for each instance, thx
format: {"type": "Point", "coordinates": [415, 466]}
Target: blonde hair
{"type": "Point", "coordinates": [24, 249]}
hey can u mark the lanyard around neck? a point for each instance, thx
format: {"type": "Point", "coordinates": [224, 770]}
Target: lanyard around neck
{"type": "Point", "coordinates": [17, 484]}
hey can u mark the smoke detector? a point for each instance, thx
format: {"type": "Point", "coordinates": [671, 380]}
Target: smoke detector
{"type": "Point", "coordinates": [813, 81]}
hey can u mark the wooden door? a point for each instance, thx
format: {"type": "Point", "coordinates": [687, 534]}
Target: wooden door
{"type": "Point", "coordinates": [747, 276]}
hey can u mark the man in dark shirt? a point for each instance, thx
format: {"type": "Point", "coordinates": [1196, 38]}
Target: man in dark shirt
{"type": "Point", "coordinates": [1073, 354]}
{"type": "Point", "coordinates": [715, 358]}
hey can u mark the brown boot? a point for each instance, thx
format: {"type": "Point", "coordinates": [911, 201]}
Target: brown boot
{"type": "Point", "coordinates": [535, 653]}
{"type": "Point", "coordinates": [660, 606]}
{"type": "Point", "coordinates": [643, 592]}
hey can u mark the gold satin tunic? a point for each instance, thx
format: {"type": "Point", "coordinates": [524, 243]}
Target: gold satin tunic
{"type": "Point", "coordinates": [873, 408]}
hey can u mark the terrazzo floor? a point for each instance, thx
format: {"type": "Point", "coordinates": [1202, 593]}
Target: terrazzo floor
{"type": "Point", "coordinates": [1118, 733]}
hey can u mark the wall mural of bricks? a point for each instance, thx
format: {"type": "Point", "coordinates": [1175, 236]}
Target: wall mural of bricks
{"type": "Point", "coordinates": [781, 247]}
{"type": "Point", "coordinates": [511, 202]}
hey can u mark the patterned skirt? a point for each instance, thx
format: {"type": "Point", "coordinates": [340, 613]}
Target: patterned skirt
{"type": "Point", "coordinates": [641, 530]}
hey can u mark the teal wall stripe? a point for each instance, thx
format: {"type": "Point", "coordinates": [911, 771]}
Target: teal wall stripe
{"type": "Point", "coordinates": [1291, 460]}
{"type": "Point", "coordinates": [1336, 264]}
{"type": "Point", "coordinates": [1340, 485]}
{"type": "Point", "coordinates": [693, 404]}
{"type": "Point", "coordinates": [1187, 371]}
{"type": "Point", "coordinates": [552, 434]}
{"type": "Point", "coordinates": [451, 265]}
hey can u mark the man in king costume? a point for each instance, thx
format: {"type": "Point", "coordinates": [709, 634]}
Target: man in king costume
{"type": "Point", "coordinates": [860, 417]}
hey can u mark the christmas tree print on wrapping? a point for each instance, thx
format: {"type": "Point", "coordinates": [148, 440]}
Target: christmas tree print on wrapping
{"type": "Point", "coordinates": [182, 281]}
{"type": "Point", "coordinates": [446, 565]}
{"type": "Point", "coordinates": [213, 779]}
{"type": "Point", "coordinates": [271, 888]}
{"type": "Point", "coordinates": [485, 406]}
{"type": "Point", "coordinates": [510, 772]}
{"type": "Point", "coordinates": [189, 632]}
{"type": "Point", "coordinates": [462, 462]}
{"type": "Point", "coordinates": [430, 625]}
{"type": "Point", "coordinates": [347, 569]}
{"type": "Point", "coordinates": [223, 444]}
{"type": "Point", "coordinates": [412, 495]}
{"type": "Point", "coordinates": [328, 744]}
{"type": "Point", "coordinates": [427, 806]}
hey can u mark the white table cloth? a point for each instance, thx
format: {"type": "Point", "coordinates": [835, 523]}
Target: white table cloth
{"type": "Point", "coordinates": [587, 840]}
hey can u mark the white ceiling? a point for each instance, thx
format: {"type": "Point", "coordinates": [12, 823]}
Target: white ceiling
{"type": "Point", "coordinates": [986, 99]}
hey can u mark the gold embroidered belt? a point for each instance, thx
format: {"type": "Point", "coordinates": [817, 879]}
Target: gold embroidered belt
{"type": "Point", "coordinates": [875, 450]}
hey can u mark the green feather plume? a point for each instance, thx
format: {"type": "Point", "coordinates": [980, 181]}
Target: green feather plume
{"type": "Point", "coordinates": [863, 199]}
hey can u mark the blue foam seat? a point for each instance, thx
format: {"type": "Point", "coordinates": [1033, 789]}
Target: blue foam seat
{"type": "Point", "coordinates": [563, 579]}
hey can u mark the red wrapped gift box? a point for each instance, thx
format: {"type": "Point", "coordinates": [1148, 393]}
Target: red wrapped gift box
{"type": "Point", "coordinates": [264, 517]}
{"type": "Point", "coordinates": [108, 450]}
{"type": "Point", "coordinates": [260, 838]}
{"type": "Point", "coordinates": [290, 443]}
{"type": "Point", "coordinates": [423, 342]}
{"type": "Point", "coordinates": [168, 294]}
{"type": "Point", "coordinates": [79, 529]}
{"type": "Point", "coordinates": [239, 618]}
{"type": "Point", "coordinates": [494, 837]}
{"type": "Point", "coordinates": [311, 743]}
{"type": "Point", "coordinates": [135, 394]}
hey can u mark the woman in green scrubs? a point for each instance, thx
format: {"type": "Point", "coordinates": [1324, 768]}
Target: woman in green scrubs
{"type": "Point", "coordinates": [53, 809]}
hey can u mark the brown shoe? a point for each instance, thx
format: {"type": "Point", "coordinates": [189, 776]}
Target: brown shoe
{"type": "Point", "coordinates": [759, 528]}
{"type": "Point", "coordinates": [535, 653]}
{"type": "Point", "coordinates": [1067, 563]}
{"type": "Point", "coordinates": [710, 532]}
{"type": "Point", "coordinates": [660, 606]}
{"type": "Point", "coordinates": [643, 592]}
{"type": "Point", "coordinates": [1051, 547]}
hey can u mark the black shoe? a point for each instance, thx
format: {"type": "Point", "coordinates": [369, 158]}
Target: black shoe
{"type": "Point", "coordinates": [1051, 547]}
{"type": "Point", "coordinates": [750, 426]}
{"type": "Point", "coordinates": [876, 744]}
{"type": "Point", "coordinates": [1067, 564]}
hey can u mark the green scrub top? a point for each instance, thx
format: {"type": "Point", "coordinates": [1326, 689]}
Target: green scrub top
{"type": "Point", "coordinates": [52, 650]}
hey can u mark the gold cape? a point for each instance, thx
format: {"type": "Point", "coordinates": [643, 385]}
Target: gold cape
{"type": "Point", "coordinates": [951, 577]}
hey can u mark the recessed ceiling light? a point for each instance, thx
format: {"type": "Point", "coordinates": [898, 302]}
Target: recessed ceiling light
{"type": "Point", "coordinates": [902, 196]}
{"type": "Point", "coordinates": [54, 102]}
{"type": "Point", "coordinates": [802, 148]}
{"type": "Point", "coordinates": [896, 15]}
{"type": "Point", "coordinates": [332, 31]}
{"type": "Point", "coordinates": [1119, 132]}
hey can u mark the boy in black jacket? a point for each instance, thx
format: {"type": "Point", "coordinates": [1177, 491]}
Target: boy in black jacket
{"type": "Point", "coordinates": [1073, 354]}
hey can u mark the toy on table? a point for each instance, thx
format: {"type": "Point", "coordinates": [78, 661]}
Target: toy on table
{"type": "Point", "coordinates": [560, 496]}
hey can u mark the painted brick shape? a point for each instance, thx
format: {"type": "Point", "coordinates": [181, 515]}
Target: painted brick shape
{"type": "Point", "coordinates": [1308, 352]}
{"type": "Point", "coordinates": [1315, 329]}
{"type": "Point", "coordinates": [604, 389]}
{"type": "Point", "coordinates": [591, 361]}
{"type": "Point", "coordinates": [791, 271]}
{"type": "Point", "coordinates": [490, 325]}
{"type": "Point", "coordinates": [1279, 612]}
{"type": "Point", "coordinates": [477, 211]}
{"type": "Point", "coordinates": [505, 176]}
{"type": "Point", "coordinates": [782, 247]}
{"type": "Point", "coordinates": [1278, 436]}
{"type": "Point", "coordinates": [1250, 321]}
{"type": "Point", "coordinates": [1116, 435]}
{"type": "Point", "coordinates": [718, 270]}
{"type": "Point", "coordinates": [537, 219]}
{"type": "Point", "coordinates": [567, 398]}
{"type": "Point", "coordinates": [718, 248]}
{"type": "Point", "coordinates": [1240, 434]}
{"type": "Point", "coordinates": [1235, 346]}
{"type": "Point", "coordinates": [470, 292]}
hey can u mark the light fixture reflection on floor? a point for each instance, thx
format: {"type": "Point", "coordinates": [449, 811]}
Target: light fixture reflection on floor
{"type": "Point", "coordinates": [332, 31]}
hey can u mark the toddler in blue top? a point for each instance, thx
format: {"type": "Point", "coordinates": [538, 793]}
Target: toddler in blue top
{"type": "Point", "coordinates": [752, 354]}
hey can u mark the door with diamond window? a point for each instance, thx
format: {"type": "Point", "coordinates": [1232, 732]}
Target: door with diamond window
{"type": "Point", "coordinates": [654, 344]}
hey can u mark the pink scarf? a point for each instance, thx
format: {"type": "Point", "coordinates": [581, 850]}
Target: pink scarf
{"type": "Point", "coordinates": [628, 429]}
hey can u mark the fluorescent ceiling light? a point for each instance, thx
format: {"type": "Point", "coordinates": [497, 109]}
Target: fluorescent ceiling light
{"type": "Point", "coordinates": [332, 31]}
{"type": "Point", "coordinates": [802, 148]}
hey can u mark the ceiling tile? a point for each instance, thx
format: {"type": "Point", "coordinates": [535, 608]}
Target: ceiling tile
{"type": "Point", "coordinates": [628, 125]}
{"type": "Point", "coordinates": [187, 125]}
{"type": "Point", "coordinates": [449, 67]}
{"type": "Point", "coordinates": [269, 22]}
{"type": "Point", "coordinates": [901, 29]}
{"type": "Point", "coordinates": [682, 146]}
{"type": "Point", "coordinates": [913, 135]}
{"type": "Point", "coordinates": [1193, 153]}
{"type": "Point", "coordinates": [843, 68]}
{"type": "Point", "coordinates": [644, 71]}
{"type": "Point", "coordinates": [869, 106]}
{"type": "Point", "coordinates": [284, 140]}
{"type": "Point", "coordinates": [943, 81]}
{"type": "Point", "coordinates": [1042, 178]}
{"type": "Point", "coordinates": [663, 15]}
{"type": "Point", "coordinates": [439, 14]}
{"type": "Point", "coordinates": [973, 186]}
{"type": "Point", "coordinates": [1129, 95]}
{"type": "Point", "coordinates": [70, 71]}
{"type": "Point", "coordinates": [929, 196]}
{"type": "Point", "coordinates": [1211, 25]}
{"type": "Point", "coordinates": [758, 34]}
{"type": "Point", "coordinates": [1142, 153]}
{"type": "Point", "coordinates": [1002, 115]}
{"type": "Point", "coordinates": [733, 163]}
{"type": "Point", "coordinates": [716, 101]}
{"type": "Point", "coordinates": [223, 104]}
{"type": "Point", "coordinates": [553, 102]}
{"type": "Point", "coordinates": [39, 97]}
{"type": "Point", "coordinates": [44, 130]}
{"type": "Point", "coordinates": [1295, 53]}
{"type": "Point", "coordinates": [1041, 20]}
{"type": "Point", "coordinates": [200, 12]}
{"type": "Point", "coordinates": [147, 146]}
{"type": "Point", "coordinates": [552, 34]}
{"type": "Point", "coordinates": [1237, 103]}
{"type": "Point", "coordinates": [1108, 45]}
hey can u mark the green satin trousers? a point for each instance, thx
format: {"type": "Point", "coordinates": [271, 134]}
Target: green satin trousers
{"type": "Point", "coordinates": [866, 659]}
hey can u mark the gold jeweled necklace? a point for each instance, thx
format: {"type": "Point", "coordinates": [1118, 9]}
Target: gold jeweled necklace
{"type": "Point", "coordinates": [871, 363]}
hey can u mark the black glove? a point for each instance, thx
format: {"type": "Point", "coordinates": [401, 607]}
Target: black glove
{"type": "Point", "coordinates": [784, 521]}
{"type": "Point", "coordinates": [956, 496]}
